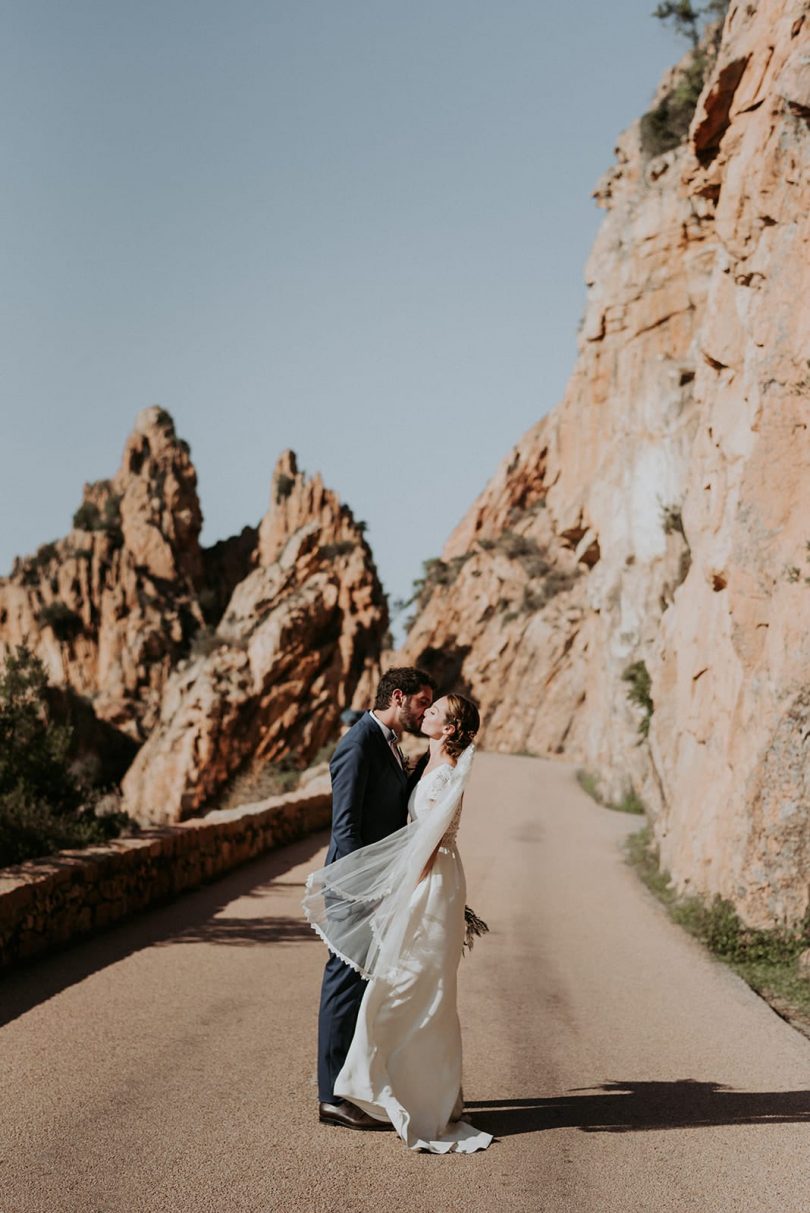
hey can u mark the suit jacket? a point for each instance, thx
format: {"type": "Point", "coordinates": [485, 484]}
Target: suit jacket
{"type": "Point", "coordinates": [369, 789]}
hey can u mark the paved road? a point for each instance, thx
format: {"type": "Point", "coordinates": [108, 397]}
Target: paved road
{"type": "Point", "coordinates": [168, 1065]}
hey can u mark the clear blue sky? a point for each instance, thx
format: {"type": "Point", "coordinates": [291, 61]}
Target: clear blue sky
{"type": "Point", "coordinates": [354, 229]}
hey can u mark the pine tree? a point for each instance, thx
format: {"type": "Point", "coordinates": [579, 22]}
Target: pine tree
{"type": "Point", "coordinates": [33, 750]}
{"type": "Point", "coordinates": [42, 807]}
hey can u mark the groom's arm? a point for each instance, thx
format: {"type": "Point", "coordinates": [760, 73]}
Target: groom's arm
{"type": "Point", "coordinates": [349, 771]}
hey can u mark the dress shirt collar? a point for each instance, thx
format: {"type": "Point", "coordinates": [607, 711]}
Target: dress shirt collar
{"type": "Point", "coordinates": [387, 732]}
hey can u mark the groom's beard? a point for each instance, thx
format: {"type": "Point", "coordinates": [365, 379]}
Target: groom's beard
{"type": "Point", "coordinates": [411, 723]}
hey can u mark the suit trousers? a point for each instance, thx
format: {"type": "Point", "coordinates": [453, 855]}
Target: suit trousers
{"type": "Point", "coordinates": [341, 994]}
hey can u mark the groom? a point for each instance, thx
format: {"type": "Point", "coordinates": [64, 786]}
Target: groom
{"type": "Point", "coordinates": [370, 790]}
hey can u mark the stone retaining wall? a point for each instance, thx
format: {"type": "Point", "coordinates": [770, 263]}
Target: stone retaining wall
{"type": "Point", "coordinates": [47, 903]}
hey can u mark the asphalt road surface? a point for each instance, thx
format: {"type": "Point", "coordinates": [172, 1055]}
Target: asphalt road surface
{"type": "Point", "coordinates": [169, 1064]}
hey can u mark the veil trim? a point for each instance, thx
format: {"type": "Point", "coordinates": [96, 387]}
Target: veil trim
{"type": "Point", "coordinates": [366, 976]}
{"type": "Point", "coordinates": [358, 904]}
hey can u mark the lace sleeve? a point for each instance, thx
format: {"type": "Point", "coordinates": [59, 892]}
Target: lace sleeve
{"type": "Point", "coordinates": [438, 782]}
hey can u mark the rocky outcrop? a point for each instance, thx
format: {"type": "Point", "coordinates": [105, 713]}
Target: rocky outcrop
{"type": "Point", "coordinates": [632, 590]}
{"type": "Point", "coordinates": [112, 607]}
{"type": "Point", "coordinates": [215, 658]}
{"type": "Point", "coordinates": [299, 639]}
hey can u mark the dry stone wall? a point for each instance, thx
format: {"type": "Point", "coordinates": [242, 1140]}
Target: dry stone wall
{"type": "Point", "coordinates": [48, 903]}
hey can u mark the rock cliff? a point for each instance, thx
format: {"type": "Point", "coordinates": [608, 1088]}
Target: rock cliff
{"type": "Point", "coordinates": [112, 607]}
{"type": "Point", "coordinates": [299, 639]}
{"type": "Point", "coordinates": [632, 589]}
{"type": "Point", "coordinates": [212, 657]}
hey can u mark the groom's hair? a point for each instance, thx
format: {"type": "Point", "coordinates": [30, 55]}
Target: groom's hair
{"type": "Point", "coordinates": [406, 679]}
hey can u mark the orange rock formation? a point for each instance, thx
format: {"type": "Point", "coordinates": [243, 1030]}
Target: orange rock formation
{"type": "Point", "coordinates": [112, 607]}
{"type": "Point", "coordinates": [299, 639]}
{"type": "Point", "coordinates": [214, 658]}
{"type": "Point", "coordinates": [657, 522]}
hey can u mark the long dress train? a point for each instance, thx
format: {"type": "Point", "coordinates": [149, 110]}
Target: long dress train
{"type": "Point", "coordinates": [404, 1062]}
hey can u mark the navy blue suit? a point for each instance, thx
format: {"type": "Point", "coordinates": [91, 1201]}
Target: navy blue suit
{"type": "Point", "coordinates": [369, 801]}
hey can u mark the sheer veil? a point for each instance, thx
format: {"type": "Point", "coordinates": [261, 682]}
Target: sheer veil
{"type": "Point", "coordinates": [358, 903]}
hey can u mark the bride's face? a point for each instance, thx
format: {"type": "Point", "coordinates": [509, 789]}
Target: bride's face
{"type": "Point", "coordinates": [434, 721]}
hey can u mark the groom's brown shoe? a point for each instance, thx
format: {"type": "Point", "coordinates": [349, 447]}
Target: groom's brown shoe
{"type": "Point", "coordinates": [345, 1113]}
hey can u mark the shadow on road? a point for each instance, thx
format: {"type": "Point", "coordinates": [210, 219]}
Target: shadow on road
{"type": "Point", "coordinates": [243, 931]}
{"type": "Point", "coordinates": [633, 1107]}
{"type": "Point", "coordinates": [191, 918]}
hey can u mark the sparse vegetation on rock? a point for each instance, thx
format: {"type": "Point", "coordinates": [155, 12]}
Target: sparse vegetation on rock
{"type": "Point", "coordinates": [639, 684]}
{"type": "Point", "coordinates": [92, 517]}
{"type": "Point", "coordinates": [283, 486]}
{"type": "Point", "coordinates": [629, 801]}
{"type": "Point", "coordinates": [666, 125]}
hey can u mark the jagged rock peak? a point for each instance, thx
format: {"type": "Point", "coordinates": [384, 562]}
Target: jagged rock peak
{"type": "Point", "coordinates": [299, 640]}
{"type": "Point", "coordinates": [298, 501]}
{"type": "Point", "coordinates": [111, 607]}
{"type": "Point", "coordinates": [160, 511]}
{"type": "Point", "coordinates": [154, 421]}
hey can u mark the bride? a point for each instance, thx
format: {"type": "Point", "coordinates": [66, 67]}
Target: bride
{"type": "Point", "coordinates": [394, 911]}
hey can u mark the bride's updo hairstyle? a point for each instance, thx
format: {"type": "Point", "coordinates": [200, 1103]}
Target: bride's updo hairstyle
{"type": "Point", "coordinates": [463, 714]}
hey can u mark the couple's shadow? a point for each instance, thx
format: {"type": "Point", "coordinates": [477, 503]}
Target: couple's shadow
{"type": "Point", "coordinates": [632, 1107]}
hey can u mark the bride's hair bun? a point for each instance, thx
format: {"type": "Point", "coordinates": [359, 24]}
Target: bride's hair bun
{"type": "Point", "coordinates": [462, 713]}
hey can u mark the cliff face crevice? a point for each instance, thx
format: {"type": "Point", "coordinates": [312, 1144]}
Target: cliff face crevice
{"type": "Point", "coordinates": [668, 492]}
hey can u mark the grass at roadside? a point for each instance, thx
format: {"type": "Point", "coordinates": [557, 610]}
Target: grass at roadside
{"type": "Point", "coordinates": [766, 960]}
{"type": "Point", "coordinates": [630, 802]}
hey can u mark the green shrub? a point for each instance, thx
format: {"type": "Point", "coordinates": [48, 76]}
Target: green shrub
{"type": "Point", "coordinates": [284, 486]}
{"type": "Point", "coordinates": [33, 750]}
{"type": "Point", "coordinates": [31, 828]}
{"type": "Point", "coordinates": [436, 572]}
{"type": "Point", "coordinates": [42, 808]}
{"type": "Point", "coordinates": [546, 581]}
{"type": "Point", "coordinates": [667, 124]}
{"type": "Point", "coordinates": [45, 554]}
{"type": "Point", "coordinates": [89, 517]}
{"type": "Point", "coordinates": [672, 523]}
{"type": "Point", "coordinates": [590, 784]}
{"type": "Point", "coordinates": [766, 959]}
{"type": "Point", "coordinates": [639, 683]}
{"type": "Point", "coordinates": [517, 546]}
{"type": "Point", "coordinates": [630, 802]}
{"type": "Point", "coordinates": [330, 551]}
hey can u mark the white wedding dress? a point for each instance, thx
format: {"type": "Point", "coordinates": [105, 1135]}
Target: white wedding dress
{"type": "Point", "coordinates": [404, 1062]}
